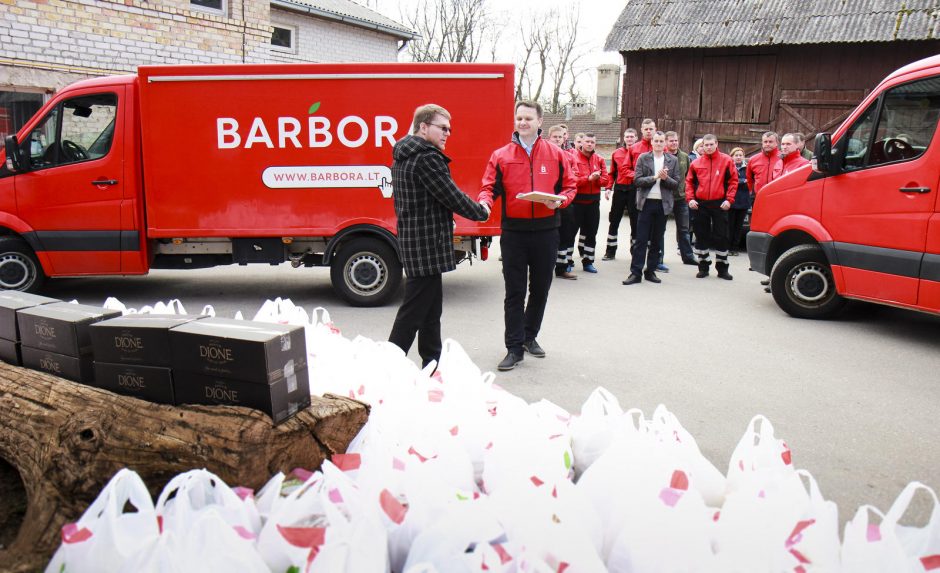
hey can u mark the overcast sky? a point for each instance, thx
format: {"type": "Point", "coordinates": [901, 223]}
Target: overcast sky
{"type": "Point", "coordinates": [597, 17]}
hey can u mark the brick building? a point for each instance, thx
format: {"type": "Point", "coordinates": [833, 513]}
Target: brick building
{"type": "Point", "coordinates": [47, 44]}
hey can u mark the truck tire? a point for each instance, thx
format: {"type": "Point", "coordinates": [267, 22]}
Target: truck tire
{"type": "Point", "coordinates": [19, 267]}
{"type": "Point", "coordinates": [366, 272]}
{"type": "Point", "coordinates": [802, 284]}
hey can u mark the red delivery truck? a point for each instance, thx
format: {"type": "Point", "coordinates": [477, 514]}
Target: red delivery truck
{"type": "Point", "coordinates": [196, 166]}
{"type": "Point", "coordinates": [865, 223]}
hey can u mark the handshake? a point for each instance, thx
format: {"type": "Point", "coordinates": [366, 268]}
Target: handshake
{"type": "Point", "coordinates": [487, 208]}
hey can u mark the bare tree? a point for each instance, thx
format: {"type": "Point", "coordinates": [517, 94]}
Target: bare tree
{"type": "Point", "coordinates": [450, 30]}
{"type": "Point", "coordinates": [548, 61]}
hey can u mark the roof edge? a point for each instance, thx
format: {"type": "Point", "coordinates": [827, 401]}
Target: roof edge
{"type": "Point", "coordinates": [403, 34]}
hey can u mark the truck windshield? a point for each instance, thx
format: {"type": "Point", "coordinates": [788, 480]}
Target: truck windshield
{"type": "Point", "coordinates": [906, 123]}
{"type": "Point", "coordinates": [78, 129]}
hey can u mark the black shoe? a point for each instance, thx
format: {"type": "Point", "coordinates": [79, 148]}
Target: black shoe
{"type": "Point", "coordinates": [689, 262]}
{"type": "Point", "coordinates": [510, 361]}
{"type": "Point", "coordinates": [651, 277]}
{"type": "Point", "coordinates": [609, 256]}
{"type": "Point", "coordinates": [765, 282]}
{"type": "Point", "coordinates": [724, 274]}
{"type": "Point", "coordinates": [533, 348]}
{"type": "Point", "coordinates": [702, 273]}
{"type": "Point", "coordinates": [632, 279]}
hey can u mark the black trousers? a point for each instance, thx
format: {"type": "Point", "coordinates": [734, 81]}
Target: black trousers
{"type": "Point", "coordinates": [618, 204]}
{"type": "Point", "coordinates": [588, 219]}
{"type": "Point", "coordinates": [528, 261]}
{"type": "Point", "coordinates": [736, 227]}
{"type": "Point", "coordinates": [566, 233]}
{"type": "Point", "coordinates": [651, 228]}
{"type": "Point", "coordinates": [420, 313]}
{"type": "Point", "coordinates": [711, 232]}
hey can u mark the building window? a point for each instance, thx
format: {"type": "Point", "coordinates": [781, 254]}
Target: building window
{"type": "Point", "coordinates": [284, 38]}
{"type": "Point", "coordinates": [209, 5]}
{"type": "Point", "coordinates": [16, 107]}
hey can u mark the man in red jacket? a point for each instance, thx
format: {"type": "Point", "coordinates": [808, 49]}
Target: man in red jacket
{"type": "Point", "coordinates": [790, 157]}
{"type": "Point", "coordinates": [710, 186]}
{"type": "Point", "coordinates": [760, 166]}
{"type": "Point", "coordinates": [591, 176]}
{"type": "Point", "coordinates": [529, 238]}
{"type": "Point", "coordinates": [622, 180]}
{"type": "Point", "coordinates": [628, 165]}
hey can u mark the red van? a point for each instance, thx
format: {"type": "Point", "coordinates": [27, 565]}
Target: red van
{"type": "Point", "coordinates": [864, 223]}
{"type": "Point", "coordinates": [197, 166]}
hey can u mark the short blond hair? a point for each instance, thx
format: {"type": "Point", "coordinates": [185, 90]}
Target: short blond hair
{"type": "Point", "coordinates": [426, 114]}
{"type": "Point", "coordinates": [735, 150]}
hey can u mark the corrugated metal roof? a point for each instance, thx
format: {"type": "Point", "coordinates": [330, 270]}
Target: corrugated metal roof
{"type": "Point", "coordinates": [350, 12]}
{"type": "Point", "coordinates": [662, 24]}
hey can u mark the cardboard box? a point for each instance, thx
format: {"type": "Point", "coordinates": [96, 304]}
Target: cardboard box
{"type": "Point", "coordinates": [61, 327]}
{"type": "Point", "coordinates": [279, 399]}
{"type": "Point", "coordinates": [136, 338]}
{"type": "Point", "coordinates": [12, 301]}
{"type": "Point", "coordinates": [10, 352]}
{"type": "Point", "coordinates": [77, 368]}
{"type": "Point", "coordinates": [151, 383]}
{"type": "Point", "coordinates": [258, 352]}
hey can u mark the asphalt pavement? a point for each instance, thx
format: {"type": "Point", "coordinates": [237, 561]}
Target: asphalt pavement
{"type": "Point", "coordinates": [853, 397]}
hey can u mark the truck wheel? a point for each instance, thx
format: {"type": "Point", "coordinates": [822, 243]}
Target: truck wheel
{"type": "Point", "coordinates": [19, 268]}
{"type": "Point", "coordinates": [366, 272]}
{"type": "Point", "coordinates": [802, 284]}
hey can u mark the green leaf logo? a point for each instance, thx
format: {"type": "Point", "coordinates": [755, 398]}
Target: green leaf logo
{"type": "Point", "coordinates": [314, 108]}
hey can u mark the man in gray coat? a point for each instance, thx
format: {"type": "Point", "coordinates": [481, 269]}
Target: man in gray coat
{"type": "Point", "coordinates": [656, 178]}
{"type": "Point", "coordinates": [426, 199]}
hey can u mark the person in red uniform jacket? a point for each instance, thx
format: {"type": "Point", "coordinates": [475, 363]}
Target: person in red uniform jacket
{"type": "Point", "coordinates": [622, 180]}
{"type": "Point", "coordinates": [647, 128]}
{"type": "Point", "coordinates": [761, 165]}
{"type": "Point", "coordinates": [790, 157]}
{"type": "Point", "coordinates": [529, 238]}
{"type": "Point", "coordinates": [710, 187]}
{"type": "Point", "coordinates": [591, 175]}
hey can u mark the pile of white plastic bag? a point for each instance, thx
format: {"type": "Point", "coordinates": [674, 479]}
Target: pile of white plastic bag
{"type": "Point", "coordinates": [453, 473]}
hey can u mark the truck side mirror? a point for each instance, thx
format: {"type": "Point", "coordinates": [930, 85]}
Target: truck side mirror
{"type": "Point", "coordinates": [824, 161]}
{"type": "Point", "coordinates": [16, 161]}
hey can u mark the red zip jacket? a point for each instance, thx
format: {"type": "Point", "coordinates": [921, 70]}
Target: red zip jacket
{"type": "Point", "coordinates": [623, 161]}
{"type": "Point", "coordinates": [636, 150]}
{"type": "Point", "coordinates": [712, 178]}
{"type": "Point", "coordinates": [583, 165]}
{"type": "Point", "coordinates": [760, 170]}
{"type": "Point", "coordinates": [510, 171]}
{"type": "Point", "coordinates": [787, 164]}
{"type": "Point", "coordinates": [620, 171]}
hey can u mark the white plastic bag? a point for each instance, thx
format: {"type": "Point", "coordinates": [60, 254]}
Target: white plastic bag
{"type": "Point", "coordinates": [210, 545]}
{"type": "Point", "coordinates": [593, 430]}
{"type": "Point", "coordinates": [105, 534]}
{"type": "Point", "coordinates": [757, 452]}
{"type": "Point", "coordinates": [190, 494]}
{"type": "Point", "coordinates": [870, 547]}
{"type": "Point", "coordinates": [705, 477]}
{"type": "Point", "coordinates": [775, 524]}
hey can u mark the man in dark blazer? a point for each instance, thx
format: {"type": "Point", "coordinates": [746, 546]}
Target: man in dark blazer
{"type": "Point", "coordinates": [656, 178]}
{"type": "Point", "coordinates": [426, 199]}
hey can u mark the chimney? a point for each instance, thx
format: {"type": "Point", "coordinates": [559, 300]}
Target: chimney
{"type": "Point", "coordinates": [608, 88]}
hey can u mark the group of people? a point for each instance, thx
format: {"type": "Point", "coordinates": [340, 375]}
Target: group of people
{"type": "Point", "coordinates": [649, 178]}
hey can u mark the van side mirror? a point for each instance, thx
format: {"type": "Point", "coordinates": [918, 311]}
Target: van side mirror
{"type": "Point", "coordinates": [824, 162]}
{"type": "Point", "coordinates": [17, 161]}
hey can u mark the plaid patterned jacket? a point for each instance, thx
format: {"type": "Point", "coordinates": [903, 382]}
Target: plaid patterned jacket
{"type": "Point", "coordinates": [426, 199]}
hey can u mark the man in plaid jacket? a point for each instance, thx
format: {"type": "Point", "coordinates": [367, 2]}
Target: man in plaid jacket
{"type": "Point", "coordinates": [426, 199]}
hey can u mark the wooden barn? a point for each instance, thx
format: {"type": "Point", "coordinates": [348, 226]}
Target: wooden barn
{"type": "Point", "coordinates": [738, 69]}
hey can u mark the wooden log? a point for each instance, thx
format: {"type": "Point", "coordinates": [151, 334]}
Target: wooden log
{"type": "Point", "coordinates": [60, 442]}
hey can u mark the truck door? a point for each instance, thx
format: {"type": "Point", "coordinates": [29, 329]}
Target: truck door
{"type": "Point", "coordinates": [878, 210]}
{"type": "Point", "coordinates": [71, 195]}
